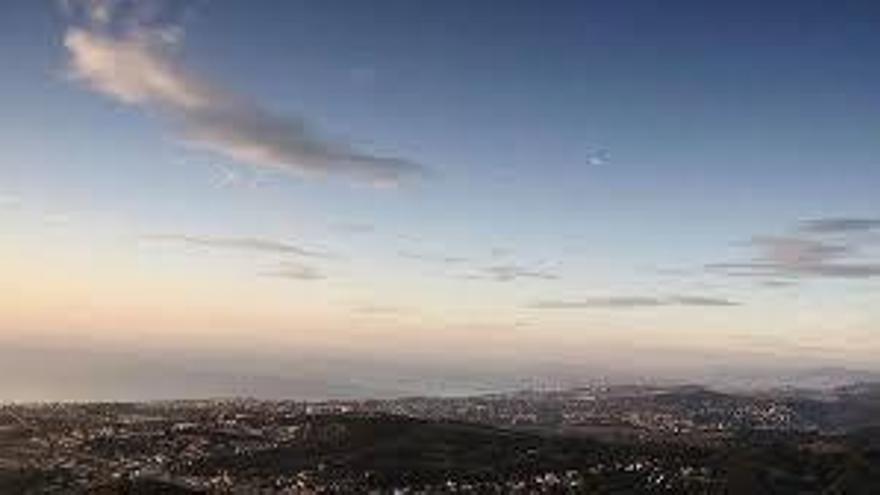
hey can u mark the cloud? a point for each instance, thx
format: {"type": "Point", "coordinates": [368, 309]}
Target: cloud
{"type": "Point", "coordinates": [848, 270]}
{"type": "Point", "coordinates": [134, 71]}
{"type": "Point", "coordinates": [295, 272]}
{"type": "Point", "coordinates": [840, 225]}
{"type": "Point", "coordinates": [597, 157]}
{"type": "Point", "coordinates": [432, 258]}
{"type": "Point", "coordinates": [627, 302]}
{"type": "Point", "coordinates": [778, 283]}
{"type": "Point", "coordinates": [226, 177]}
{"type": "Point", "coordinates": [797, 252]}
{"type": "Point", "coordinates": [701, 301]}
{"type": "Point", "coordinates": [241, 244]}
{"type": "Point", "coordinates": [799, 257]}
{"type": "Point", "coordinates": [510, 273]}
{"type": "Point", "coordinates": [746, 269]}
{"type": "Point", "coordinates": [127, 50]}
{"type": "Point", "coordinates": [599, 302]}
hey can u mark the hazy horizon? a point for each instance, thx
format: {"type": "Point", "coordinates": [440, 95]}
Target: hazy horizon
{"type": "Point", "coordinates": [317, 199]}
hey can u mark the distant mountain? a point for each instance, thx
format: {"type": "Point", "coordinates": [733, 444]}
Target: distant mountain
{"type": "Point", "coordinates": [824, 378]}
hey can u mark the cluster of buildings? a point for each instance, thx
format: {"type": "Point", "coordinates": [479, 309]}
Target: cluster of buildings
{"type": "Point", "coordinates": [641, 411]}
{"type": "Point", "coordinates": [78, 446]}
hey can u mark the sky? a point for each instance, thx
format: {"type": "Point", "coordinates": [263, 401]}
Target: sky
{"type": "Point", "coordinates": [291, 198]}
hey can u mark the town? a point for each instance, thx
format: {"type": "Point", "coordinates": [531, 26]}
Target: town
{"type": "Point", "coordinates": [639, 438]}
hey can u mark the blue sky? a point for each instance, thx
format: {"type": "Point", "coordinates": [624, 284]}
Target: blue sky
{"type": "Point", "coordinates": [590, 174]}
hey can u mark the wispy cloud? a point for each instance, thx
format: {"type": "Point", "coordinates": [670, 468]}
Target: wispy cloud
{"type": "Point", "coordinates": [597, 157]}
{"type": "Point", "coordinates": [700, 301]}
{"type": "Point", "coordinates": [844, 270]}
{"type": "Point", "coordinates": [500, 272]}
{"type": "Point", "coordinates": [240, 244]}
{"type": "Point", "coordinates": [840, 225]}
{"type": "Point", "coordinates": [432, 258]}
{"type": "Point", "coordinates": [792, 256]}
{"type": "Point", "coordinates": [795, 252]}
{"type": "Point", "coordinates": [226, 177]}
{"type": "Point", "coordinates": [599, 302]}
{"type": "Point", "coordinates": [778, 283]}
{"type": "Point", "coordinates": [511, 272]}
{"type": "Point", "coordinates": [627, 302]}
{"type": "Point", "coordinates": [295, 271]}
{"type": "Point", "coordinates": [128, 50]}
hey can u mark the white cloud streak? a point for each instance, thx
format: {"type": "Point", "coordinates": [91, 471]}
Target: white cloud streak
{"type": "Point", "coordinates": [511, 273]}
{"type": "Point", "coordinates": [128, 50]}
{"type": "Point", "coordinates": [631, 302]}
{"type": "Point", "coordinates": [240, 244]}
{"type": "Point", "coordinates": [295, 271]}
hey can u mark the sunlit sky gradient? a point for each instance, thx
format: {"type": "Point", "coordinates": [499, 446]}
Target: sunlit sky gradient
{"type": "Point", "coordinates": [397, 197]}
